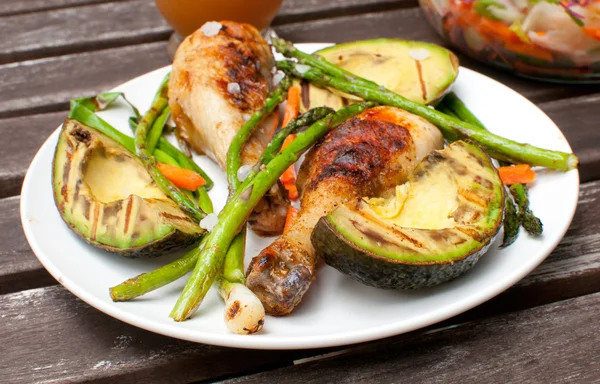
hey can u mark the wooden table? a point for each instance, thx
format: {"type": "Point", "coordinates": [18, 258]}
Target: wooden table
{"type": "Point", "coordinates": [544, 329]}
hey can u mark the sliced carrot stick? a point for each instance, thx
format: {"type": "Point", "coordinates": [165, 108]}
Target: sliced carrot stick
{"type": "Point", "coordinates": [292, 107]}
{"type": "Point", "coordinates": [288, 178]}
{"type": "Point", "coordinates": [516, 174]}
{"type": "Point", "coordinates": [181, 177]}
{"type": "Point", "coordinates": [592, 32]}
{"type": "Point", "coordinates": [292, 213]}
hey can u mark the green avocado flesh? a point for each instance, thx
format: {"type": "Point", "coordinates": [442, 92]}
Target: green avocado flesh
{"type": "Point", "coordinates": [421, 72]}
{"type": "Point", "coordinates": [106, 196]}
{"type": "Point", "coordinates": [434, 227]}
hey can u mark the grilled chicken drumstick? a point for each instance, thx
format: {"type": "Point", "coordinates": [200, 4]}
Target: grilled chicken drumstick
{"type": "Point", "coordinates": [369, 154]}
{"type": "Point", "coordinates": [221, 75]}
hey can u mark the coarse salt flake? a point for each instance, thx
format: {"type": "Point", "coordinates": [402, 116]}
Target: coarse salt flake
{"type": "Point", "coordinates": [211, 28]}
{"type": "Point", "coordinates": [302, 69]}
{"type": "Point", "coordinates": [419, 54]}
{"type": "Point", "coordinates": [233, 88]}
{"type": "Point", "coordinates": [277, 77]}
{"type": "Point", "coordinates": [243, 172]}
{"type": "Point", "coordinates": [209, 221]}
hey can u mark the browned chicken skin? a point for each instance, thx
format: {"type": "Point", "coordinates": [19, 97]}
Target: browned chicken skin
{"type": "Point", "coordinates": [367, 155]}
{"type": "Point", "coordinates": [217, 83]}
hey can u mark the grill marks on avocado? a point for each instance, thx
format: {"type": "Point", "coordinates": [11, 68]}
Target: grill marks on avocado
{"type": "Point", "coordinates": [453, 207]}
{"type": "Point", "coordinates": [106, 196]}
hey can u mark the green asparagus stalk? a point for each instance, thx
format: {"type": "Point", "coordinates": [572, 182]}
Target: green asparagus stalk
{"type": "Point", "coordinates": [460, 110]}
{"type": "Point", "coordinates": [529, 221]}
{"type": "Point", "coordinates": [512, 221]}
{"type": "Point", "coordinates": [235, 254]}
{"type": "Point", "coordinates": [306, 119]}
{"type": "Point", "coordinates": [232, 271]}
{"type": "Point", "coordinates": [148, 282]}
{"type": "Point", "coordinates": [146, 156]}
{"type": "Point", "coordinates": [241, 204]}
{"type": "Point", "coordinates": [86, 116]}
{"type": "Point", "coordinates": [156, 130]}
{"type": "Point", "coordinates": [184, 161]}
{"type": "Point", "coordinates": [288, 49]}
{"type": "Point", "coordinates": [452, 128]}
{"type": "Point", "coordinates": [234, 160]}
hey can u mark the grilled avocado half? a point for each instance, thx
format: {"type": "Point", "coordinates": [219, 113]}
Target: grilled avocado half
{"type": "Point", "coordinates": [106, 196]}
{"type": "Point", "coordinates": [421, 72]}
{"type": "Point", "coordinates": [432, 229]}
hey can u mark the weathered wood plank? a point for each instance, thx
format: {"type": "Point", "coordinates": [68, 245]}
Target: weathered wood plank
{"type": "Point", "coordinates": [23, 136]}
{"type": "Point", "coordinates": [20, 269]}
{"type": "Point", "coordinates": [60, 31]}
{"type": "Point", "coordinates": [50, 335]}
{"type": "Point", "coordinates": [291, 10]}
{"type": "Point", "coordinates": [305, 10]}
{"type": "Point", "coordinates": [572, 114]}
{"type": "Point", "coordinates": [555, 343]}
{"type": "Point", "coordinates": [14, 7]}
{"type": "Point", "coordinates": [48, 84]}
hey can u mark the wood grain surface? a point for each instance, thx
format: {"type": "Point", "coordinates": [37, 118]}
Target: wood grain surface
{"type": "Point", "coordinates": [77, 343]}
{"type": "Point", "coordinates": [555, 343]}
{"type": "Point", "coordinates": [543, 329]}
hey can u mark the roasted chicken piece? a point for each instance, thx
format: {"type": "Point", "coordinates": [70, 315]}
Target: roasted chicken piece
{"type": "Point", "coordinates": [221, 75]}
{"type": "Point", "coordinates": [367, 155]}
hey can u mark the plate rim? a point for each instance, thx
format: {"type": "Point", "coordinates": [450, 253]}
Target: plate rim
{"type": "Point", "coordinates": [286, 342]}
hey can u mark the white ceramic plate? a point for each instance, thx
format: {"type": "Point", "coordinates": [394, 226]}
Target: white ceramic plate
{"type": "Point", "coordinates": [337, 310]}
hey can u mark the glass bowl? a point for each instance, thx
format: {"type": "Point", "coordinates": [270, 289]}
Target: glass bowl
{"type": "Point", "coordinates": [542, 39]}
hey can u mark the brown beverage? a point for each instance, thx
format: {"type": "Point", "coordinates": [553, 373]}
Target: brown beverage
{"type": "Point", "coordinates": [185, 16]}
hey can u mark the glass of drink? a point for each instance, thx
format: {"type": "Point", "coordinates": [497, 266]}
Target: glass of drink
{"type": "Point", "coordinates": [185, 16]}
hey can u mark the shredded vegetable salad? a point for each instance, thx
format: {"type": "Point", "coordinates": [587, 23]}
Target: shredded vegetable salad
{"type": "Point", "coordinates": [550, 39]}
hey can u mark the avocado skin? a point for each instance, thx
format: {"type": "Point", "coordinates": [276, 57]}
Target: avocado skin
{"type": "Point", "coordinates": [172, 241]}
{"type": "Point", "coordinates": [385, 273]}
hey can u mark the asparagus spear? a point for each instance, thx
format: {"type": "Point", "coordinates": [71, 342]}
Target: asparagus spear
{"type": "Point", "coordinates": [147, 282]}
{"type": "Point", "coordinates": [304, 120]}
{"type": "Point", "coordinates": [234, 159]}
{"type": "Point", "coordinates": [529, 221]}
{"type": "Point", "coordinates": [150, 281]}
{"type": "Point", "coordinates": [184, 161]}
{"type": "Point", "coordinates": [512, 221]}
{"type": "Point", "coordinates": [86, 116]}
{"type": "Point", "coordinates": [146, 156]}
{"type": "Point", "coordinates": [237, 209]}
{"type": "Point", "coordinates": [231, 284]}
{"type": "Point", "coordinates": [452, 128]}
{"type": "Point", "coordinates": [156, 129]}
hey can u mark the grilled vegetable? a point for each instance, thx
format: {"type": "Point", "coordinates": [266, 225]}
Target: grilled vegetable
{"type": "Point", "coordinates": [237, 209]}
{"type": "Point", "coordinates": [419, 71]}
{"type": "Point", "coordinates": [369, 153]}
{"type": "Point", "coordinates": [324, 74]}
{"type": "Point", "coordinates": [104, 193]}
{"type": "Point", "coordinates": [435, 228]}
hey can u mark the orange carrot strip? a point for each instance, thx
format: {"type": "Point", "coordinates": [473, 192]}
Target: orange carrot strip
{"type": "Point", "coordinates": [292, 213]}
{"type": "Point", "coordinates": [592, 32]}
{"type": "Point", "coordinates": [181, 177]}
{"type": "Point", "coordinates": [292, 106]}
{"type": "Point", "coordinates": [516, 174]}
{"type": "Point", "coordinates": [288, 178]}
